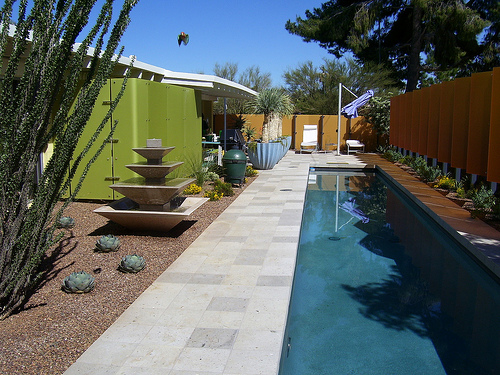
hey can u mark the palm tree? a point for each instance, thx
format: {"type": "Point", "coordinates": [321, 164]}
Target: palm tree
{"type": "Point", "coordinates": [274, 104]}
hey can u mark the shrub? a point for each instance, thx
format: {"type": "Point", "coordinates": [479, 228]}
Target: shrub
{"type": "Point", "coordinates": [213, 195]}
{"type": "Point", "coordinates": [392, 155]}
{"type": "Point", "coordinates": [461, 192]}
{"type": "Point", "coordinates": [216, 168]}
{"type": "Point", "coordinates": [445, 182]}
{"type": "Point", "coordinates": [200, 177]}
{"type": "Point", "coordinates": [250, 171]}
{"type": "Point", "coordinates": [407, 160]}
{"type": "Point", "coordinates": [417, 163]}
{"type": "Point", "coordinates": [483, 198]}
{"type": "Point", "coordinates": [212, 176]}
{"type": "Point", "coordinates": [429, 174]}
{"type": "Point", "coordinates": [223, 187]}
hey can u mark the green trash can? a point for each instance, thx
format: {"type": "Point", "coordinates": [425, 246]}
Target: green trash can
{"type": "Point", "coordinates": [235, 164]}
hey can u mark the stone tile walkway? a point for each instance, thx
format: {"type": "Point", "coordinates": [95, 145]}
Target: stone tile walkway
{"type": "Point", "coordinates": [221, 307]}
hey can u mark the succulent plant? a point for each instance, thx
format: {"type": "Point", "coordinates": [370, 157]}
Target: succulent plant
{"type": "Point", "coordinates": [108, 243]}
{"type": "Point", "coordinates": [66, 222]}
{"type": "Point", "coordinates": [132, 263]}
{"type": "Point", "coordinates": [78, 282]}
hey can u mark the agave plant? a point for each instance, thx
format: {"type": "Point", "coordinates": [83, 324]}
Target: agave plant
{"type": "Point", "coordinates": [108, 243]}
{"type": "Point", "coordinates": [78, 282]}
{"type": "Point", "coordinates": [132, 263]}
{"type": "Point", "coordinates": [66, 222]}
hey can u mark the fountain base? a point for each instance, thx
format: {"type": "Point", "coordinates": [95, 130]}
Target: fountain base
{"type": "Point", "coordinates": [126, 212]}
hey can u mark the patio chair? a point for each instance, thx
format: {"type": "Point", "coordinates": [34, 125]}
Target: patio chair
{"type": "Point", "coordinates": [309, 138]}
{"type": "Point", "coordinates": [353, 145]}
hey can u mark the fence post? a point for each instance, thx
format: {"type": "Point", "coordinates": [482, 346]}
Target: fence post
{"type": "Point", "coordinates": [445, 168]}
{"type": "Point", "coordinates": [320, 133]}
{"type": "Point", "coordinates": [294, 131]}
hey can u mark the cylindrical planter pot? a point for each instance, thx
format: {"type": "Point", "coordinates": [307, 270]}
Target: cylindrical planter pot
{"type": "Point", "coordinates": [265, 155]}
{"type": "Point", "coordinates": [286, 142]}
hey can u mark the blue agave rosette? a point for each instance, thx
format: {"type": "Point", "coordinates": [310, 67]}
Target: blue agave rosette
{"type": "Point", "coordinates": [78, 282]}
{"type": "Point", "coordinates": [132, 263]}
{"type": "Point", "coordinates": [108, 243]}
{"type": "Point", "coordinates": [66, 222]}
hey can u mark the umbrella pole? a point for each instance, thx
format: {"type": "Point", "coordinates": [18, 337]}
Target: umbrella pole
{"type": "Point", "coordinates": [337, 205]}
{"type": "Point", "coordinates": [338, 120]}
{"type": "Point", "coordinates": [225, 123]}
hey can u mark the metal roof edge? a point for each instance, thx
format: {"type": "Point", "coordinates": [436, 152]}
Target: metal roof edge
{"type": "Point", "coordinates": [211, 85]}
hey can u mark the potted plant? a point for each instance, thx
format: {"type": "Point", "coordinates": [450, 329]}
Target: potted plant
{"type": "Point", "coordinates": [274, 104]}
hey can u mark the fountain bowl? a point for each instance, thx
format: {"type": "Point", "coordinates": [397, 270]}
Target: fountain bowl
{"type": "Point", "coordinates": [142, 192]}
{"type": "Point", "coordinates": [126, 213]}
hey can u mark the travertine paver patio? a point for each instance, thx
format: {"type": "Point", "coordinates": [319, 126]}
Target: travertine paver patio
{"type": "Point", "coordinates": [221, 307]}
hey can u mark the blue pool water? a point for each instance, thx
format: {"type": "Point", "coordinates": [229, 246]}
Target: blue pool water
{"type": "Point", "coordinates": [379, 288]}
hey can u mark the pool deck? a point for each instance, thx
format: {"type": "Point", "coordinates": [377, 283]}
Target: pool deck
{"type": "Point", "coordinates": [221, 307]}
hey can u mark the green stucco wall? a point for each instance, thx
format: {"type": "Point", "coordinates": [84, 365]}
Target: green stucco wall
{"type": "Point", "coordinates": [147, 110]}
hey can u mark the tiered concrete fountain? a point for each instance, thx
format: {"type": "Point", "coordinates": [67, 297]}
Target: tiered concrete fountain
{"type": "Point", "coordinates": [150, 201]}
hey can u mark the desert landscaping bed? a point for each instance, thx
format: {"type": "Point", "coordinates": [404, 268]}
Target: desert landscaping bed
{"type": "Point", "coordinates": [54, 328]}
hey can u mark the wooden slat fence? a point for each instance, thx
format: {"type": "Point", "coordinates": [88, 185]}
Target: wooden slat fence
{"type": "Point", "coordinates": [456, 122]}
{"type": "Point", "coordinates": [327, 129]}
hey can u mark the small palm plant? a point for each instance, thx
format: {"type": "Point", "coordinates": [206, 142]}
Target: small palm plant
{"type": "Point", "coordinates": [274, 104]}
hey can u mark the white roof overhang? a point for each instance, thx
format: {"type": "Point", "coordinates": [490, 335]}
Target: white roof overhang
{"type": "Point", "coordinates": [211, 87]}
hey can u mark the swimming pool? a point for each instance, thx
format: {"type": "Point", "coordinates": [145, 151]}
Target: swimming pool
{"type": "Point", "coordinates": [381, 288]}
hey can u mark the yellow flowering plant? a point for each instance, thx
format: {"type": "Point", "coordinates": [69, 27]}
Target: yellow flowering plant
{"type": "Point", "coordinates": [192, 189]}
{"type": "Point", "coordinates": [445, 182]}
{"type": "Point", "coordinates": [213, 195]}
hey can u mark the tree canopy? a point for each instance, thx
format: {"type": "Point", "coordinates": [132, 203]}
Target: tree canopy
{"type": "Point", "coordinates": [314, 89]}
{"type": "Point", "coordinates": [409, 37]}
{"type": "Point", "coordinates": [251, 77]}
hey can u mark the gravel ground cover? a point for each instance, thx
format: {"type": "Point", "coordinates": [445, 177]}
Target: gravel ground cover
{"type": "Point", "coordinates": [54, 328]}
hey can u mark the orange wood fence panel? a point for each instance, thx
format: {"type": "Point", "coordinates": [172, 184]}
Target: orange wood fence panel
{"type": "Point", "coordinates": [356, 128]}
{"type": "Point", "coordinates": [423, 126]}
{"type": "Point", "coordinates": [494, 144]}
{"type": "Point", "coordinates": [408, 113]}
{"type": "Point", "coordinates": [460, 135]}
{"type": "Point", "coordinates": [455, 122]}
{"type": "Point", "coordinates": [433, 130]}
{"type": "Point", "coordinates": [395, 120]}
{"type": "Point", "coordinates": [479, 123]}
{"type": "Point", "coordinates": [415, 119]}
{"type": "Point", "coordinates": [302, 120]}
{"type": "Point", "coordinates": [445, 121]}
{"type": "Point", "coordinates": [330, 131]}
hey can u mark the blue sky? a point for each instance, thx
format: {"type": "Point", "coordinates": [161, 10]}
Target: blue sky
{"type": "Point", "coordinates": [246, 32]}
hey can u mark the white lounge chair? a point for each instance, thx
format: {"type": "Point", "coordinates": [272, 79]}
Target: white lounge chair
{"type": "Point", "coordinates": [309, 138]}
{"type": "Point", "coordinates": [353, 145]}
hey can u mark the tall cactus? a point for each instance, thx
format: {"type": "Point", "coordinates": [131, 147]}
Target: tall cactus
{"type": "Point", "coordinates": [52, 100]}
